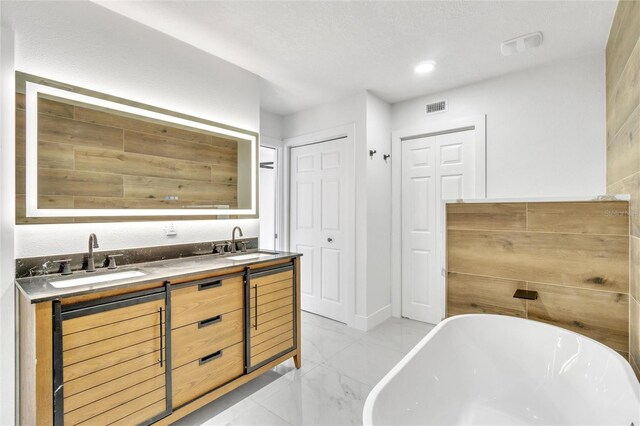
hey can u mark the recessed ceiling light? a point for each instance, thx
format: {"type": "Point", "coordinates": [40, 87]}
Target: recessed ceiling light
{"type": "Point", "coordinates": [425, 67]}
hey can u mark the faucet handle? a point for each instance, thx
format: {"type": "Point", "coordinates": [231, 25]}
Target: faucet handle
{"type": "Point", "coordinates": [65, 264]}
{"type": "Point", "coordinates": [219, 248]}
{"type": "Point", "coordinates": [243, 246]}
{"type": "Point", "coordinates": [111, 260]}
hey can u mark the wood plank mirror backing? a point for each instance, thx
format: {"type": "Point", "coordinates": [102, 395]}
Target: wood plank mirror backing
{"type": "Point", "coordinates": [83, 156]}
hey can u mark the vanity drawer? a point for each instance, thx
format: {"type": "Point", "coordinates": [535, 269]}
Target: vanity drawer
{"type": "Point", "coordinates": [201, 301]}
{"type": "Point", "coordinates": [197, 340]}
{"type": "Point", "coordinates": [206, 373]}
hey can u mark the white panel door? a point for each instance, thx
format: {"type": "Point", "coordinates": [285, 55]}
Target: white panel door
{"type": "Point", "coordinates": [419, 228]}
{"type": "Point", "coordinates": [434, 168]}
{"type": "Point", "coordinates": [317, 225]}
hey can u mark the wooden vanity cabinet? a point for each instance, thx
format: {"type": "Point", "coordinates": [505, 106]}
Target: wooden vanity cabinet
{"type": "Point", "coordinates": [155, 352]}
{"type": "Point", "coordinates": [110, 360]}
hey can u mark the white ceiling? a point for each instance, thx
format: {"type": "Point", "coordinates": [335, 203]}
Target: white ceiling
{"type": "Point", "coordinates": [312, 52]}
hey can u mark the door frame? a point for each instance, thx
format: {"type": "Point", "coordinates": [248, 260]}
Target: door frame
{"type": "Point", "coordinates": [477, 123]}
{"type": "Point", "coordinates": [348, 132]}
{"type": "Point", "coordinates": [278, 146]}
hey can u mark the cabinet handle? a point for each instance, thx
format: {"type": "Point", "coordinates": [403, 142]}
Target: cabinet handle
{"type": "Point", "coordinates": [206, 359]}
{"type": "Point", "coordinates": [255, 326]}
{"type": "Point", "coordinates": [161, 338]}
{"type": "Point", "coordinates": [210, 321]}
{"type": "Point", "coordinates": [212, 284]}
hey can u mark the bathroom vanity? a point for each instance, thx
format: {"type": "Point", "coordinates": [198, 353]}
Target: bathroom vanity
{"type": "Point", "coordinates": [155, 341]}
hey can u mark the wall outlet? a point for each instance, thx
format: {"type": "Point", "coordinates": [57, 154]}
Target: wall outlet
{"type": "Point", "coordinates": [170, 230]}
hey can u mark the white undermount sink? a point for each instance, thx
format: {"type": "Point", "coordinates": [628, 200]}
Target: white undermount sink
{"type": "Point", "coordinates": [95, 279]}
{"type": "Point", "coordinates": [251, 256]}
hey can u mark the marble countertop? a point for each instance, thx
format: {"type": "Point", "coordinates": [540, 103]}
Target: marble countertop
{"type": "Point", "coordinates": [39, 289]}
{"type": "Point", "coordinates": [608, 197]}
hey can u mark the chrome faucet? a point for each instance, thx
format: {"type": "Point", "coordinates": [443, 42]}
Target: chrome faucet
{"type": "Point", "coordinates": [233, 238]}
{"type": "Point", "coordinates": [93, 243]}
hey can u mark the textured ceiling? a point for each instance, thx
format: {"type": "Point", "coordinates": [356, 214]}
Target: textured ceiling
{"type": "Point", "coordinates": [312, 52]}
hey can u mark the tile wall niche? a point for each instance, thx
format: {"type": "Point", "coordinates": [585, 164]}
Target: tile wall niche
{"type": "Point", "coordinates": [574, 254]}
{"type": "Point", "coordinates": [623, 142]}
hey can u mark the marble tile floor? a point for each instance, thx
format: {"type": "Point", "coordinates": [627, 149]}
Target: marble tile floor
{"type": "Point", "coordinates": [340, 367]}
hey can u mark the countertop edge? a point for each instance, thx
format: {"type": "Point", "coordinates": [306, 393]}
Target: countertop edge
{"type": "Point", "coordinates": [153, 277]}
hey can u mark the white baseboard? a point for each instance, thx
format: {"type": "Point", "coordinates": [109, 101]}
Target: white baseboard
{"type": "Point", "coordinates": [369, 322]}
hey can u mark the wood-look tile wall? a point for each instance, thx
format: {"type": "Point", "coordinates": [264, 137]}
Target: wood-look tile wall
{"type": "Point", "coordinates": [623, 141]}
{"type": "Point", "coordinates": [93, 159]}
{"type": "Point", "coordinates": [574, 254]}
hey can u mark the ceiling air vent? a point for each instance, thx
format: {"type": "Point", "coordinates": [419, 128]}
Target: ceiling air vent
{"type": "Point", "coordinates": [436, 107]}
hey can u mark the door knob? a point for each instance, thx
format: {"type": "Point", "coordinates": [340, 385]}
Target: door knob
{"type": "Point", "coordinates": [330, 239]}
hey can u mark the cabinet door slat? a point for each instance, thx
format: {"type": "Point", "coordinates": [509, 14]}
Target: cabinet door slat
{"type": "Point", "coordinates": [109, 317]}
{"type": "Point", "coordinates": [97, 334]}
{"type": "Point", "coordinates": [119, 397]}
{"type": "Point", "coordinates": [89, 381]}
{"type": "Point", "coordinates": [80, 399]}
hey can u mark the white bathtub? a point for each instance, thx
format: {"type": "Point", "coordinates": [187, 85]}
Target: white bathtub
{"type": "Point", "coordinates": [498, 370]}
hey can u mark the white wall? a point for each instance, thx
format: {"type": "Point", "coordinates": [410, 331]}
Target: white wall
{"type": "Point", "coordinates": [271, 125]}
{"type": "Point", "coordinates": [370, 116]}
{"type": "Point", "coordinates": [86, 45]}
{"type": "Point", "coordinates": [7, 220]}
{"type": "Point", "coordinates": [41, 240]}
{"type": "Point", "coordinates": [347, 111]}
{"type": "Point", "coordinates": [269, 197]}
{"type": "Point", "coordinates": [545, 127]}
{"type": "Point", "coordinates": [378, 211]}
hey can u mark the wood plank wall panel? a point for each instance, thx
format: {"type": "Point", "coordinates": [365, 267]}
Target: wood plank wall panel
{"type": "Point", "coordinates": [95, 159]}
{"type": "Point", "coordinates": [624, 97]}
{"type": "Point", "coordinates": [623, 150]}
{"type": "Point", "coordinates": [506, 216]}
{"type": "Point", "coordinates": [623, 36]}
{"type": "Point", "coordinates": [582, 218]}
{"type": "Point", "coordinates": [589, 261]}
{"type": "Point", "coordinates": [623, 141]}
{"type": "Point", "coordinates": [467, 294]}
{"type": "Point", "coordinates": [601, 315]}
{"type": "Point", "coordinates": [575, 254]}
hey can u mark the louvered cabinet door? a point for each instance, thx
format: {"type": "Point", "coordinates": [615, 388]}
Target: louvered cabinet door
{"type": "Point", "coordinates": [113, 360]}
{"type": "Point", "coordinates": [271, 307]}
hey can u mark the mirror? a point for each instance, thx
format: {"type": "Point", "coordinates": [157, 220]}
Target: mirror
{"type": "Point", "coordinates": [83, 154]}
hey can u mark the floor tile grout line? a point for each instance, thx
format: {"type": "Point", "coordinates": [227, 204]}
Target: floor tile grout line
{"type": "Point", "coordinates": [283, 386]}
{"type": "Point", "coordinates": [350, 378]}
{"type": "Point", "coordinates": [272, 412]}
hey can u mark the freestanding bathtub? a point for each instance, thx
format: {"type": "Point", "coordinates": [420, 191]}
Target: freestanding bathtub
{"type": "Point", "coordinates": [498, 370]}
